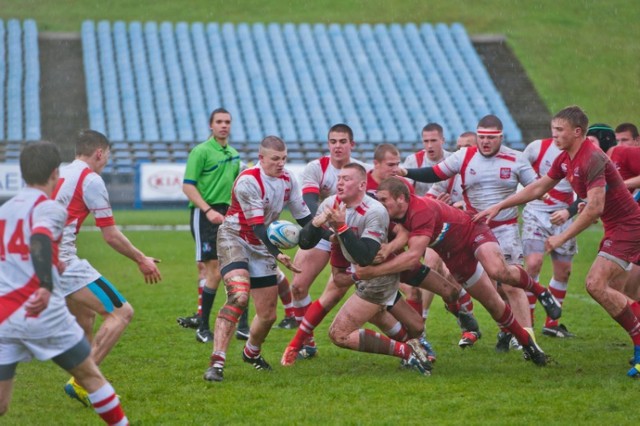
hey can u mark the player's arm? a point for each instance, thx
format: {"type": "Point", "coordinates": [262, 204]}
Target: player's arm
{"type": "Point", "coordinates": [362, 250]}
{"type": "Point", "coordinates": [120, 243]}
{"type": "Point", "coordinates": [423, 174]}
{"type": "Point", "coordinates": [561, 216]}
{"type": "Point", "coordinates": [41, 250]}
{"type": "Point", "coordinates": [312, 199]}
{"type": "Point", "coordinates": [592, 212]}
{"type": "Point", "coordinates": [407, 260]}
{"type": "Point", "coordinates": [341, 278]}
{"type": "Point", "coordinates": [192, 193]}
{"type": "Point", "coordinates": [530, 192]}
{"type": "Point", "coordinates": [632, 183]}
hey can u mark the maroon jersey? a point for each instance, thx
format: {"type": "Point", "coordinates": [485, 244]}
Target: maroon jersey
{"type": "Point", "coordinates": [627, 160]}
{"type": "Point", "coordinates": [372, 185]}
{"type": "Point", "coordinates": [454, 236]}
{"type": "Point", "coordinates": [591, 168]}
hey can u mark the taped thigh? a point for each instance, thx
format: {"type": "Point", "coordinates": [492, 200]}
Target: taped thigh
{"type": "Point", "coordinates": [107, 294]}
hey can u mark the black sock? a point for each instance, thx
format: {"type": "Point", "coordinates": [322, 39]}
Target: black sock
{"type": "Point", "coordinates": [243, 322]}
{"type": "Point", "coordinates": [208, 296]}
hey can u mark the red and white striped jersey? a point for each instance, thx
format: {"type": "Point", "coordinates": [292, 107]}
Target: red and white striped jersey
{"type": "Point", "coordinates": [81, 191]}
{"type": "Point", "coordinates": [321, 177]}
{"type": "Point", "coordinates": [369, 219]}
{"type": "Point", "coordinates": [541, 153]}
{"type": "Point", "coordinates": [28, 213]}
{"type": "Point", "coordinates": [420, 159]}
{"type": "Point", "coordinates": [259, 199]}
{"type": "Point", "coordinates": [486, 181]}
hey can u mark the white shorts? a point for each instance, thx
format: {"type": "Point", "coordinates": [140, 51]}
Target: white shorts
{"type": "Point", "coordinates": [78, 274]}
{"type": "Point", "coordinates": [15, 349]}
{"type": "Point", "coordinates": [508, 237]}
{"type": "Point", "coordinates": [232, 248]}
{"type": "Point", "coordinates": [536, 226]}
{"type": "Point", "coordinates": [379, 290]}
{"type": "Point", "coordinates": [324, 245]}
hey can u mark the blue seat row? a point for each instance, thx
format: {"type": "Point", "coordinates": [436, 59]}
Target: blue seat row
{"type": "Point", "coordinates": [150, 82]}
{"type": "Point", "coordinates": [19, 81]}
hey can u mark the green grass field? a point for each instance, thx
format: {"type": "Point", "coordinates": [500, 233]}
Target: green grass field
{"type": "Point", "coordinates": [576, 52]}
{"type": "Point", "coordinates": [157, 367]}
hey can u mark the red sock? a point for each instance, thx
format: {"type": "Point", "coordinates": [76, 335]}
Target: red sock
{"type": "Point", "coordinates": [284, 291]}
{"type": "Point", "coordinates": [528, 283]}
{"type": "Point", "coordinates": [397, 332]}
{"type": "Point", "coordinates": [509, 322]}
{"type": "Point", "coordinates": [465, 301]}
{"type": "Point", "coordinates": [635, 308]}
{"type": "Point", "coordinates": [629, 322]}
{"type": "Point", "coordinates": [314, 316]}
{"type": "Point", "coordinates": [300, 308]}
{"type": "Point", "coordinates": [532, 305]}
{"type": "Point", "coordinates": [373, 342]}
{"type": "Point", "coordinates": [416, 305]}
{"type": "Point", "coordinates": [106, 403]}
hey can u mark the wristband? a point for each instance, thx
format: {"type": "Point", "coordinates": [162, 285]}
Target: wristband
{"type": "Point", "coordinates": [208, 210]}
{"type": "Point", "coordinates": [342, 229]}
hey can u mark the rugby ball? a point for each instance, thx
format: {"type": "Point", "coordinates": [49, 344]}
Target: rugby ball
{"type": "Point", "coordinates": [284, 234]}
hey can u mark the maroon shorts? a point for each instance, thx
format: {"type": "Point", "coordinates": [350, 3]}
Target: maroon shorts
{"type": "Point", "coordinates": [459, 246]}
{"type": "Point", "coordinates": [623, 242]}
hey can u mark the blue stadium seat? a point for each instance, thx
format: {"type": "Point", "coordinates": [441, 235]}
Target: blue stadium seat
{"type": "Point", "coordinates": [114, 122]}
{"type": "Point", "coordinates": [125, 74]}
{"type": "Point", "coordinates": [95, 108]}
{"type": "Point", "coordinates": [148, 116]}
{"type": "Point", "coordinates": [31, 81]}
{"type": "Point", "coordinates": [14, 81]}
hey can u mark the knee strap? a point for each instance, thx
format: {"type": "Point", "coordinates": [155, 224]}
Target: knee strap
{"type": "Point", "coordinates": [235, 286]}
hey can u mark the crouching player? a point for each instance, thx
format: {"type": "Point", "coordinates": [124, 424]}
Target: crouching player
{"type": "Point", "coordinates": [34, 319]}
{"type": "Point", "coordinates": [468, 249]}
{"type": "Point", "coordinates": [361, 224]}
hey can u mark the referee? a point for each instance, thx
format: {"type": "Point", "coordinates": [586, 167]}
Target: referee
{"type": "Point", "coordinates": [212, 167]}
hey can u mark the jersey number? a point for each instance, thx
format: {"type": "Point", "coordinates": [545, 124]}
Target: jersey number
{"type": "Point", "coordinates": [16, 243]}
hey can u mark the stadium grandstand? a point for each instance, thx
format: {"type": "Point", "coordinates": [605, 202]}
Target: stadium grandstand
{"type": "Point", "coordinates": [150, 86]}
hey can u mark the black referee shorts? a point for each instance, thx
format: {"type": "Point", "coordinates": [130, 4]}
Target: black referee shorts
{"type": "Point", "coordinates": [205, 233]}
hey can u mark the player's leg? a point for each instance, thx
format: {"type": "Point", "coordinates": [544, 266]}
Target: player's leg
{"type": "Point", "coordinates": [212, 277]}
{"type": "Point", "coordinates": [558, 287]}
{"type": "Point", "coordinates": [236, 281]}
{"type": "Point", "coordinates": [533, 260]}
{"type": "Point", "coordinates": [302, 345]}
{"type": "Point", "coordinates": [346, 332]}
{"type": "Point", "coordinates": [286, 298]}
{"type": "Point", "coordinates": [314, 261]}
{"type": "Point", "coordinates": [193, 321]}
{"type": "Point", "coordinates": [7, 373]}
{"type": "Point", "coordinates": [101, 395]}
{"type": "Point", "coordinates": [484, 291]}
{"type": "Point", "coordinates": [606, 273]}
{"type": "Point", "coordinates": [264, 291]}
{"type": "Point", "coordinates": [102, 297]}
{"type": "Point", "coordinates": [490, 255]}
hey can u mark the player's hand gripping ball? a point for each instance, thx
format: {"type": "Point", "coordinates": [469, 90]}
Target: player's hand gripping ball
{"type": "Point", "coordinates": [284, 234]}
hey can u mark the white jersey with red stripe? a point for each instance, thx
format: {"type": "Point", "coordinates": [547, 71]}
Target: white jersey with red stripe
{"type": "Point", "coordinates": [420, 159]}
{"type": "Point", "coordinates": [369, 219]}
{"type": "Point", "coordinates": [451, 186]}
{"type": "Point", "coordinates": [28, 213]}
{"type": "Point", "coordinates": [321, 177]}
{"type": "Point", "coordinates": [81, 191]}
{"type": "Point", "coordinates": [486, 181]}
{"type": "Point", "coordinates": [541, 154]}
{"type": "Point", "coordinates": [259, 199]}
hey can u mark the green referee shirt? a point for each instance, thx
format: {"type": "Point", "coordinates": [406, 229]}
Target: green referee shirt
{"type": "Point", "coordinates": [212, 169]}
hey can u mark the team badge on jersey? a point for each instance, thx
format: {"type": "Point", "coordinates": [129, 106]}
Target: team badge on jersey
{"type": "Point", "coordinates": [505, 173]}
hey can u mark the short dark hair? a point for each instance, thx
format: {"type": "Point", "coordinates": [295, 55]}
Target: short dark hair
{"type": "Point", "coordinates": [341, 128]}
{"type": "Point", "coordinates": [490, 121]}
{"type": "Point", "coordinates": [355, 166]}
{"type": "Point", "coordinates": [395, 187]}
{"type": "Point", "coordinates": [88, 141]}
{"type": "Point", "coordinates": [468, 134]}
{"type": "Point", "coordinates": [433, 127]}
{"type": "Point", "coordinates": [575, 116]}
{"type": "Point", "coordinates": [274, 143]}
{"type": "Point", "coordinates": [217, 111]}
{"type": "Point", "coordinates": [628, 127]}
{"type": "Point", "coordinates": [380, 151]}
{"type": "Point", "coordinates": [37, 161]}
